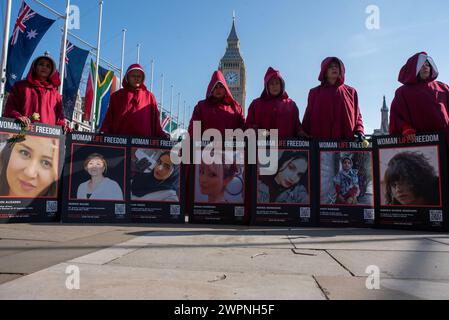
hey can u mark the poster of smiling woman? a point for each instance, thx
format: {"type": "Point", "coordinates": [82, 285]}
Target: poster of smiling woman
{"type": "Point", "coordinates": [95, 178]}
{"type": "Point", "coordinates": [31, 161]}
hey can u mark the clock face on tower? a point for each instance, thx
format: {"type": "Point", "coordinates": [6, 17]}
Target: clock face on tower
{"type": "Point", "coordinates": [231, 78]}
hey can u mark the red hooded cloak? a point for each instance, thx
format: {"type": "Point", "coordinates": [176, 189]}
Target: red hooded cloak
{"type": "Point", "coordinates": [333, 110]}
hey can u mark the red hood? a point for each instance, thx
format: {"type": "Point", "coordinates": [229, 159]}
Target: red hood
{"type": "Point", "coordinates": [409, 72]}
{"type": "Point", "coordinates": [216, 78]}
{"type": "Point", "coordinates": [325, 65]}
{"type": "Point", "coordinates": [272, 73]}
{"type": "Point", "coordinates": [125, 79]}
{"type": "Point", "coordinates": [54, 81]}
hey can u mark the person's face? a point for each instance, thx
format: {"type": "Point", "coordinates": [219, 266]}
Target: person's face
{"type": "Point", "coordinates": [164, 168]}
{"type": "Point", "coordinates": [211, 179]}
{"type": "Point", "coordinates": [275, 87]}
{"type": "Point", "coordinates": [333, 72]}
{"type": "Point", "coordinates": [43, 69]}
{"type": "Point", "coordinates": [346, 165]}
{"type": "Point", "coordinates": [135, 78]}
{"type": "Point", "coordinates": [219, 91]}
{"type": "Point", "coordinates": [95, 167]}
{"type": "Point", "coordinates": [31, 168]}
{"type": "Point", "coordinates": [402, 191]}
{"type": "Point", "coordinates": [291, 174]}
{"type": "Point", "coordinates": [425, 71]}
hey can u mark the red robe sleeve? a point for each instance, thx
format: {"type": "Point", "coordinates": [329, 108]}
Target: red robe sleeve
{"type": "Point", "coordinates": [196, 116]}
{"type": "Point", "coordinates": [13, 108]}
{"type": "Point", "coordinates": [399, 116]}
{"type": "Point", "coordinates": [59, 111]}
{"type": "Point", "coordinates": [446, 89]}
{"type": "Point", "coordinates": [306, 122]}
{"type": "Point", "coordinates": [249, 124]}
{"type": "Point", "coordinates": [240, 119]}
{"type": "Point", "coordinates": [298, 129]}
{"type": "Point", "coordinates": [358, 120]}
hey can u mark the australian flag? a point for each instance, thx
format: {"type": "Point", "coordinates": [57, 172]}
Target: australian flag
{"type": "Point", "coordinates": [28, 30]}
{"type": "Point", "coordinates": [75, 61]}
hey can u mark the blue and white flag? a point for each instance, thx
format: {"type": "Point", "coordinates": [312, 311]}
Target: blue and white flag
{"type": "Point", "coordinates": [75, 61]}
{"type": "Point", "coordinates": [28, 31]}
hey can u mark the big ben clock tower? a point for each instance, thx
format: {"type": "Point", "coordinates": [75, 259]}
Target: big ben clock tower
{"type": "Point", "coordinates": [233, 67]}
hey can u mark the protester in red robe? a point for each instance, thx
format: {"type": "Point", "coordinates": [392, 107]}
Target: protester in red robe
{"type": "Point", "coordinates": [133, 109]}
{"type": "Point", "coordinates": [37, 98]}
{"type": "Point", "coordinates": [333, 108]}
{"type": "Point", "coordinates": [219, 110]}
{"type": "Point", "coordinates": [274, 109]}
{"type": "Point", "coordinates": [421, 105]}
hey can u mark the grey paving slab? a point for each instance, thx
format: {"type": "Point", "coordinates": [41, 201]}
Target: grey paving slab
{"type": "Point", "coordinates": [253, 260]}
{"type": "Point", "coordinates": [115, 252]}
{"type": "Point", "coordinates": [50, 232]}
{"type": "Point", "coordinates": [213, 240]}
{"type": "Point", "coordinates": [9, 277]}
{"type": "Point", "coordinates": [9, 247]}
{"type": "Point", "coordinates": [44, 255]}
{"type": "Point", "coordinates": [116, 282]}
{"type": "Point", "coordinates": [440, 239]}
{"type": "Point", "coordinates": [354, 288]}
{"type": "Point", "coordinates": [372, 242]}
{"type": "Point", "coordinates": [431, 290]}
{"type": "Point", "coordinates": [396, 264]}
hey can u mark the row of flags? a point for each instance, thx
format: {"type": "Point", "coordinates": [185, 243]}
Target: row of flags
{"type": "Point", "coordinates": [28, 31]}
{"type": "Point", "coordinates": [107, 85]}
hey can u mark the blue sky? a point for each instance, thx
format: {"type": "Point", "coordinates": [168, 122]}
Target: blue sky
{"type": "Point", "coordinates": [188, 38]}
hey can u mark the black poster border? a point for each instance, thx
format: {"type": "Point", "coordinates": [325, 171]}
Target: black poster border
{"type": "Point", "coordinates": [171, 212]}
{"type": "Point", "coordinates": [217, 213]}
{"type": "Point", "coordinates": [294, 215]}
{"type": "Point", "coordinates": [43, 204]}
{"type": "Point", "coordinates": [413, 223]}
{"type": "Point", "coordinates": [117, 211]}
{"type": "Point", "coordinates": [345, 216]}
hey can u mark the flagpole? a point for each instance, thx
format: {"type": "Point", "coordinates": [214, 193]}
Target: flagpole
{"type": "Point", "coordinates": [177, 113]}
{"type": "Point", "coordinates": [93, 51]}
{"type": "Point", "coordinates": [56, 13]}
{"type": "Point", "coordinates": [122, 67]}
{"type": "Point", "coordinates": [138, 53]}
{"type": "Point", "coordinates": [162, 96]}
{"type": "Point", "coordinates": [64, 47]}
{"type": "Point", "coordinates": [191, 114]}
{"type": "Point", "coordinates": [152, 75]}
{"type": "Point", "coordinates": [184, 119]}
{"type": "Point", "coordinates": [97, 67]}
{"type": "Point", "coordinates": [171, 108]}
{"type": "Point", "coordinates": [5, 53]}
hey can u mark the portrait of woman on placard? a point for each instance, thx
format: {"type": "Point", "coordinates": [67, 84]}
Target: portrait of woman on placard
{"type": "Point", "coordinates": [289, 184]}
{"type": "Point", "coordinates": [157, 178]}
{"type": "Point", "coordinates": [220, 183]}
{"type": "Point", "coordinates": [29, 168]}
{"type": "Point", "coordinates": [411, 180]}
{"type": "Point", "coordinates": [98, 187]}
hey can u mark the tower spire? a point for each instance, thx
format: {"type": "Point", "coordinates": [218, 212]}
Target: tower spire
{"type": "Point", "coordinates": [233, 38]}
{"type": "Point", "coordinates": [384, 106]}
